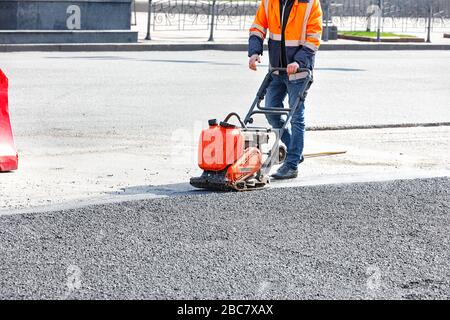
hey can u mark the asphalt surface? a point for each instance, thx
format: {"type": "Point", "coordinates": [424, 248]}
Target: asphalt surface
{"type": "Point", "coordinates": [124, 93]}
{"type": "Point", "coordinates": [365, 241]}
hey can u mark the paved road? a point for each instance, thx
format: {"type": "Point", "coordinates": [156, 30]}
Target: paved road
{"type": "Point", "coordinates": [98, 124]}
{"type": "Point", "coordinates": [371, 240]}
{"type": "Point", "coordinates": [143, 93]}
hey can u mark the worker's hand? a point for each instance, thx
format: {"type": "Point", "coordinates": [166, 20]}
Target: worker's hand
{"type": "Point", "coordinates": [252, 61]}
{"type": "Point", "coordinates": [292, 68]}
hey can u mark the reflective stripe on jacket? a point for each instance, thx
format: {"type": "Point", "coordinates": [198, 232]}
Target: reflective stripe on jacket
{"type": "Point", "coordinates": [302, 35]}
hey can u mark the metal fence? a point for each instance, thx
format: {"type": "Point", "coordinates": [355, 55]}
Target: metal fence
{"type": "Point", "coordinates": [397, 15]}
{"type": "Point", "coordinates": [197, 14]}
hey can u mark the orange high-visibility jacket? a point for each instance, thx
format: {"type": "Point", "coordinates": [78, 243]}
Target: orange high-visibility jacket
{"type": "Point", "coordinates": [301, 37]}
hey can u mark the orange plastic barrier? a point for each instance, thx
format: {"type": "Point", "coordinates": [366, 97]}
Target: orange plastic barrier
{"type": "Point", "coordinates": [8, 153]}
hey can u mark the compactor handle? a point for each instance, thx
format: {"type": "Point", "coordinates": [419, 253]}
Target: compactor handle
{"type": "Point", "coordinates": [299, 70]}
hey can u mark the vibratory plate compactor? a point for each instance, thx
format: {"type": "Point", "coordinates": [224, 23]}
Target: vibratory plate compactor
{"type": "Point", "coordinates": [239, 157]}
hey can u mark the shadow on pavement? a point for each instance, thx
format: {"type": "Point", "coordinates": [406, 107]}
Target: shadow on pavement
{"type": "Point", "coordinates": [324, 68]}
{"type": "Point", "coordinates": [159, 190]}
{"type": "Point", "coordinates": [148, 60]}
{"type": "Point", "coordinates": [340, 69]}
{"type": "Point", "coordinates": [190, 62]}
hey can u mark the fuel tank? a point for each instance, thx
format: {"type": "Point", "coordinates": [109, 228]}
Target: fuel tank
{"type": "Point", "coordinates": [220, 145]}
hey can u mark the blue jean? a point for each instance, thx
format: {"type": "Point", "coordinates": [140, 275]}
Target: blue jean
{"type": "Point", "coordinates": [294, 135]}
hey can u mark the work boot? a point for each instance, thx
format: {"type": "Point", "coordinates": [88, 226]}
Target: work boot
{"type": "Point", "coordinates": [285, 172]}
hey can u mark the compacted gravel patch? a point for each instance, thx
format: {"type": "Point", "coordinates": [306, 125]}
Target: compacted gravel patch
{"type": "Point", "coordinates": [365, 241]}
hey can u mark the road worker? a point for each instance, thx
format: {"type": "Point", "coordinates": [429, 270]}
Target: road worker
{"type": "Point", "coordinates": [294, 28]}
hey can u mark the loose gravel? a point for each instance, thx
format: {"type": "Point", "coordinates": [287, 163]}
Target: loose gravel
{"type": "Point", "coordinates": [386, 240]}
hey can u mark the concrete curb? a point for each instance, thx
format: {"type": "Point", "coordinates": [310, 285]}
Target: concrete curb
{"type": "Point", "coordinates": [384, 40]}
{"type": "Point", "coordinates": [379, 126]}
{"type": "Point", "coordinates": [206, 46]}
{"type": "Point", "coordinates": [34, 37]}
